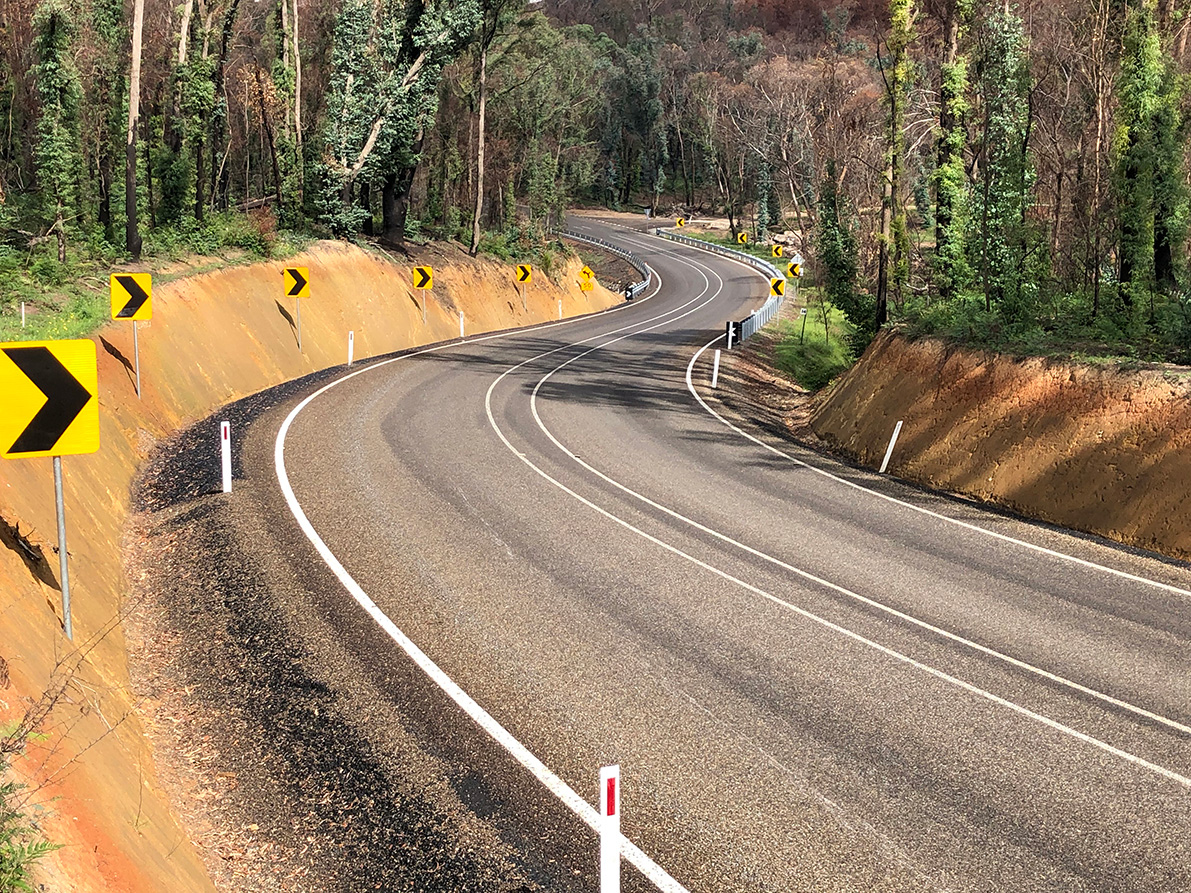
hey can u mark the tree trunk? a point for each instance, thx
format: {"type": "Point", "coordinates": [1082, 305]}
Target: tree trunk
{"type": "Point", "coordinates": [298, 114]}
{"type": "Point", "coordinates": [366, 204]}
{"type": "Point", "coordinates": [268, 126]}
{"type": "Point", "coordinates": [944, 207]}
{"type": "Point", "coordinates": [132, 236]}
{"type": "Point", "coordinates": [475, 222]}
{"type": "Point", "coordinates": [395, 198]}
{"type": "Point", "coordinates": [219, 175]}
{"type": "Point", "coordinates": [882, 307]}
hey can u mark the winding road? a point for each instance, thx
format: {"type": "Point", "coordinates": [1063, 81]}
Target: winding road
{"type": "Point", "coordinates": [554, 549]}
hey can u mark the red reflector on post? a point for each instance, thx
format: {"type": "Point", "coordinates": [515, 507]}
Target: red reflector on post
{"type": "Point", "coordinates": [611, 796]}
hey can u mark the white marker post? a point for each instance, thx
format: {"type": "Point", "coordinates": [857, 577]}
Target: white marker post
{"type": "Point", "coordinates": [729, 334]}
{"type": "Point", "coordinates": [351, 347]}
{"type": "Point", "coordinates": [225, 447]}
{"type": "Point", "coordinates": [560, 309]}
{"type": "Point", "coordinates": [715, 371]}
{"type": "Point", "coordinates": [461, 324]}
{"type": "Point", "coordinates": [897, 429]}
{"type": "Point", "coordinates": [22, 314]}
{"type": "Point", "coordinates": [610, 829]}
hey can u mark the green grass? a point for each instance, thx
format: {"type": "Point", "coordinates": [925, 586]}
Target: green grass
{"type": "Point", "coordinates": [71, 300]}
{"type": "Point", "coordinates": [809, 355]}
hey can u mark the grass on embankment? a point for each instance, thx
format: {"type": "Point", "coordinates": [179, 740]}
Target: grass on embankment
{"type": "Point", "coordinates": [72, 300]}
{"type": "Point", "coordinates": [812, 349]}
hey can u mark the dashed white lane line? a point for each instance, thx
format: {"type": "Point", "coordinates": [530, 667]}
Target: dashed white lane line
{"type": "Point", "coordinates": [657, 875]}
{"type": "Point", "coordinates": [975, 528]}
{"type": "Point", "coordinates": [967, 686]}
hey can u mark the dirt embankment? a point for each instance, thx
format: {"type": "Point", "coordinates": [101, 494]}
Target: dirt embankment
{"type": "Point", "coordinates": [1095, 448]}
{"type": "Point", "coordinates": [213, 338]}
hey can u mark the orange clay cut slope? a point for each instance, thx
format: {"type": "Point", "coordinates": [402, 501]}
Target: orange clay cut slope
{"type": "Point", "coordinates": [92, 785]}
{"type": "Point", "coordinates": [1095, 448]}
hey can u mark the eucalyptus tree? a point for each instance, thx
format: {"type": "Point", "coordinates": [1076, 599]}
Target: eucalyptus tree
{"type": "Point", "coordinates": [388, 62]}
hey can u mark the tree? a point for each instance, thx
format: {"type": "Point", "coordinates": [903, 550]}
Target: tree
{"type": "Point", "coordinates": [132, 236]}
{"type": "Point", "coordinates": [950, 177]}
{"type": "Point", "coordinates": [836, 245]}
{"type": "Point", "coordinates": [1005, 171]}
{"type": "Point", "coordinates": [57, 154]}
{"type": "Point", "coordinates": [894, 246]}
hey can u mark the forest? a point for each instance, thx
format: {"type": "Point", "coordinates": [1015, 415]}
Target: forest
{"type": "Point", "coordinates": [1012, 174]}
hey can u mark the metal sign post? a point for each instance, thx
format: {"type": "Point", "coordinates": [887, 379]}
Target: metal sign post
{"type": "Point", "coordinates": [48, 407]}
{"type": "Point", "coordinates": [297, 286]}
{"type": "Point", "coordinates": [136, 353]}
{"type": "Point", "coordinates": [132, 299]}
{"type": "Point", "coordinates": [63, 565]}
{"type": "Point", "coordinates": [423, 281]}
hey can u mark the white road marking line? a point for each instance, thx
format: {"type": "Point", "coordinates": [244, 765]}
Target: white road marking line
{"type": "Point", "coordinates": [1038, 717]}
{"type": "Point", "coordinates": [806, 575]}
{"type": "Point", "coordinates": [1063, 556]}
{"type": "Point", "coordinates": [590, 816]}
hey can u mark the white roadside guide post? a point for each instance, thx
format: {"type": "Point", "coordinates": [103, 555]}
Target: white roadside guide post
{"type": "Point", "coordinates": [461, 324]}
{"type": "Point", "coordinates": [225, 454]}
{"type": "Point", "coordinates": [351, 347]}
{"type": "Point", "coordinates": [560, 309]}
{"type": "Point", "coordinates": [610, 829]}
{"type": "Point", "coordinates": [897, 429]}
{"type": "Point", "coordinates": [715, 370]}
{"type": "Point", "coordinates": [729, 334]}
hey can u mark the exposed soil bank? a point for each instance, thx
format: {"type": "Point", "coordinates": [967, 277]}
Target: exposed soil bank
{"type": "Point", "coordinates": [213, 338]}
{"type": "Point", "coordinates": [1094, 448]}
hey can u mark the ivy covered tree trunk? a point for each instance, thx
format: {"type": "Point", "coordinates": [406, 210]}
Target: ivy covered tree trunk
{"type": "Point", "coordinates": [132, 236]}
{"type": "Point", "coordinates": [893, 252]}
{"type": "Point", "coordinates": [950, 175]}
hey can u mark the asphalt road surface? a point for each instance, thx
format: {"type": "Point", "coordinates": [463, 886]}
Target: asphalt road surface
{"type": "Point", "coordinates": [551, 550]}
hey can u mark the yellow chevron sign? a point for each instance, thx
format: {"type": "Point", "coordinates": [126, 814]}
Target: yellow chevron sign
{"type": "Point", "coordinates": [777, 287]}
{"type": "Point", "coordinates": [423, 277]}
{"type": "Point", "coordinates": [132, 296]}
{"type": "Point", "coordinates": [524, 273]}
{"type": "Point", "coordinates": [680, 222]}
{"type": "Point", "coordinates": [742, 238]}
{"type": "Point", "coordinates": [777, 250]}
{"type": "Point", "coordinates": [297, 282]}
{"type": "Point", "coordinates": [49, 402]}
{"type": "Point", "coordinates": [794, 269]}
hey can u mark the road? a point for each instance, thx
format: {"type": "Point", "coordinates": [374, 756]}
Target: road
{"type": "Point", "coordinates": [555, 549]}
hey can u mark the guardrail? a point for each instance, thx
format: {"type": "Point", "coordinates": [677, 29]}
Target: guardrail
{"type": "Point", "coordinates": [753, 323]}
{"type": "Point", "coordinates": [635, 259]}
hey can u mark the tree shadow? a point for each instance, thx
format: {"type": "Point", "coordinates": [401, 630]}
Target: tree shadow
{"type": "Point", "coordinates": [31, 554]}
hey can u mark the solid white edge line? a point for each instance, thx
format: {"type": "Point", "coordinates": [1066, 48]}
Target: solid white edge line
{"type": "Point", "coordinates": [811, 577]}
{"type": "Point", "coordinates": [1063, 556]}
{"type": "Point", "coordinates": [590, 816]}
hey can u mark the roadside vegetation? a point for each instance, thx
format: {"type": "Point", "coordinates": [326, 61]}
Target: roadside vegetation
{"type": "Point", "coordinates": [1010, 176]}
{"type": "Point", "coordinates": [814, 348]}
{"type": "Point", "coordinates": [21, 844]}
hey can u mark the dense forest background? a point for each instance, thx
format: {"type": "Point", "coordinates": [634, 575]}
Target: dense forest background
{"type": "Point", "coordinates": [1013, 174]}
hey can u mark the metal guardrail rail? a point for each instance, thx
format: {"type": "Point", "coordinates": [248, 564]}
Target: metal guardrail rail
{"type": "Point", "coordinates": [753, 323]}
{"type": "Point", "coordinates": [635, 259]}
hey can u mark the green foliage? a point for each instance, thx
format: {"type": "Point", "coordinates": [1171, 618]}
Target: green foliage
{"type": "Point", "coordinates": [21, 843]}
{"type": "Point", "coordinates": [951, 269]}
{"type": "Point", "coordinates": [810, 355]}
{"type": "Point", "coordinates": [1001, 241]}
{"type": "Point", "coordinates": [836, 245]}
{"type": "Point", "coordinates": [57, 154]}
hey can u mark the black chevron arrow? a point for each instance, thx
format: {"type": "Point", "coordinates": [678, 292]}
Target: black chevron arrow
{"type": "Point", "coordinates": [137, 295]}
{"type": "Point", "coordinates": [423, 277]}
{"type": "Point", "coordinates": [65, 398]}
{"type": "Point", "coordinates": [299, 282]}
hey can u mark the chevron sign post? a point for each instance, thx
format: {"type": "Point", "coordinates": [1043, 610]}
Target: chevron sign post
{"type": "Point", "coordinates": [132, 299]}
{"type": "Point", "coordinates": [49, 406]}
